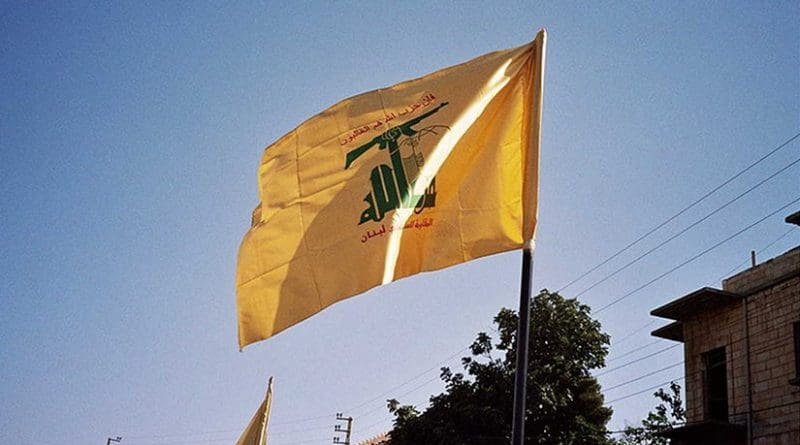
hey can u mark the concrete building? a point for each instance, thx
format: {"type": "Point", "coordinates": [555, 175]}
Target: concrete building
{"type": "Point", "coordinates": [742, 355]}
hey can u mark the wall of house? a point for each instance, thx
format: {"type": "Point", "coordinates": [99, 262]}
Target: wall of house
{"type": "Point", "coordinates": [706, 331]}
{"type": "Point", "coordinates": [771, 313]}
{"type": "Point", "coordinates": [776, 404]}
{"type": "Point", "coordinates": [772, 310]}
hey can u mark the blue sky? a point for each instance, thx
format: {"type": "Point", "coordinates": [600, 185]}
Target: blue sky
{"type": "Point", "coordinates": [130, 137]}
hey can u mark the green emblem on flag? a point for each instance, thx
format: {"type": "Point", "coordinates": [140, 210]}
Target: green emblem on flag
{"type": "Point", "coordinates": [391, 186]}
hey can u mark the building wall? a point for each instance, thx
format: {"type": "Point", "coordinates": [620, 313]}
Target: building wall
{"type": "Point", "coordinates": [704, 332]}
{"type": "Point", "coordinates": [771, 314]}
{"type": "Point", "coordinates": [776, 404]}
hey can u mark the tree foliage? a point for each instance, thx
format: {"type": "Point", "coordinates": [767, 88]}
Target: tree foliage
{"type": "Point", "coordinates": [564, 404]}
{"type": "Point", "coordinates": [666, 415]}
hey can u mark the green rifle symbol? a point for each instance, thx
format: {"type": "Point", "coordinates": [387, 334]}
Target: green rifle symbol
{"type": "Point", "coordinates": [386, 181]}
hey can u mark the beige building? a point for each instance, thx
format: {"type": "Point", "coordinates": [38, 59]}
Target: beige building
{"type": "Point", "coordinates": [742, 355]}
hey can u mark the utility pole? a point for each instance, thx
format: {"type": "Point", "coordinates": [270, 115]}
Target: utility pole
{"type": "Point", "coordinates": [338, 428]}
{"type": "Point", "coordinates": [118, 439]}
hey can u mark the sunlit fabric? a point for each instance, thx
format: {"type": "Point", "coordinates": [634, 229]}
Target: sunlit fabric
{"type": "Point", "coordinates": [415, 177]}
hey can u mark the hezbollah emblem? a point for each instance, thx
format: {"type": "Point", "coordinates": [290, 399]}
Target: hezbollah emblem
{"type": "Point", "coordinates": [391, 187]}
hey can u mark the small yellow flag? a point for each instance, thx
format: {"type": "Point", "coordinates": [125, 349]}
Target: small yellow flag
{"type": "Point", "coordinates": [415, 177]}
{"type": "Point", "coordinates": [256, 431]}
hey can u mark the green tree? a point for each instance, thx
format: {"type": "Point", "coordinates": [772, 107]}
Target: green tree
{"type": "Point", "coordinates": [667, 414]}
{"type": "Point", "coordinates": [564, 402]}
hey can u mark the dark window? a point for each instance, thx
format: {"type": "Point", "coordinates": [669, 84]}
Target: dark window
{"type": "Point", "coordinates": [716, 385]}
{"type": "Point", "coordinates": [796, 379]}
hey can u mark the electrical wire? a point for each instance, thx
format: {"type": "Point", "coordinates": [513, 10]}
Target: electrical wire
{"type": "Point", "coordinates": [624, 365]}
{"type": "Point", "coordinates": [636, 331]}
{"type": "Point", "coordinates": [681, 212]}
{"type": "Point", "coordinates": [416, 388]}
{"type": "Point", "coordinates": [726, 275]}
{"type": "Point", "coordinates": [617, 357]}
{"type": "Point", "coordinates": [644, 390]}
{"type": "Point", "coordinates": [627, 382]}
{"type": "Point", "coordinates": [369, 428]}
{"type": "Point", "coordinates": [170, 436]}
{"type": "Point", "coordinates": [643, 376]}
{"type": "Point", "coordinates": [304, 419]}
{"type": "Point", "coordinates": [695, 257]}
{"type": "Point", "coordinates": [686, 229]}
{"type": "Point", "coordinates": [308, 419]}
{"type": "Point", "coordinates": [394, 388]}
{"type": "Point", "coordinates": [785, 234]}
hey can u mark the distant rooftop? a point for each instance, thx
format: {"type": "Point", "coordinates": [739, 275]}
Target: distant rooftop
{"type": "Point", "coordinates": [377, 440]}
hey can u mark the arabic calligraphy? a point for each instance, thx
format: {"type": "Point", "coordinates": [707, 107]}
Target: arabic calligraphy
{"type": "Point", "coordinates": [392, 185]}
{"type": "Point", "coordinates": [424, 102]}
{"type": "Point", "coordinates": [420, 223]}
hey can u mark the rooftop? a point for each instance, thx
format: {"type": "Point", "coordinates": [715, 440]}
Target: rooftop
{"type": "Point", "coordinates": [698, 301]}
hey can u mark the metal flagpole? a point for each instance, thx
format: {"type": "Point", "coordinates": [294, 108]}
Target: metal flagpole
{"type": "Point", "coordinates": [523, 328]}
{"type": "Point", "coordinates": [521, 375]}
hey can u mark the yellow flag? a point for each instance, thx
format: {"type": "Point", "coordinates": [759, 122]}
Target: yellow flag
{"type": "Point", "coordinates": [256, 431]}
{"type": "Point", "coordinates": [415, 177]}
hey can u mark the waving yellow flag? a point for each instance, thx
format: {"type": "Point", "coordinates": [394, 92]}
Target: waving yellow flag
{"type": "Point", "coordinates": [415, 177]}
{"type": "Point", "coordinates": [256, 431]}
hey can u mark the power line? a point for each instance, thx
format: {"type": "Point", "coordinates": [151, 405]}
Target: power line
{"type": "Point", "coordinates": [309, 419]}
{"type": "Point", "coordinates": [304, 430]}
{"type": "Point", "coordinates": [636, 331]}
{"type": "Point", "coordinates": [673, 217]}
{"type": "Point", "coordinates": [170, 436]}
{"type": "Point", "coordinates": [416, 388]}
{"type": "Point", "coordinates": [644, 390]}
{"type": "Point", "coordinates": [679, 424]}
{"type": "Point", "coordinates": [610, 370]}
{"type": "Point", "coordinates": [389, 391]}
{"type": "Point", "coordinates": [194, 441]}
{"type": "Point", "coordinates": [617, 357]}
{"type": "Point", "coordinates": [293, 421]}
{"type": "Point", "coordinates": [686, 229]}
{"type": "Point", "coordinates": [695, 257]}
{"type": "Point", "coordinates": [156, 437]}
{"type": "Point", "coordinates": [643, 376]}
{"type": "Point", "coordinates": [368, 428]}
{"type": "Point", "coordinates": [326, 439]}
{"type": "Point", "coordinates": [763, 249]}
{"type": "Point", "coordinates": [303, 420]}
{"type": "Point", "coordinates": [785, 234]}
{"type": "Point", "coordinates": [767, 348]}
{"type": "Point", "coordinates": [636, 427]}
{"type": "Point", "coordinates": [627, 382]}
{"type": "Point", "coordinates": [607, 371]}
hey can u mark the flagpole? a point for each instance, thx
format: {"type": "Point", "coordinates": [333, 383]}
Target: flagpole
{"type": "Point", "coordinates": [523, 334]}
{"type": "Point", "coordinates": [529, 199]}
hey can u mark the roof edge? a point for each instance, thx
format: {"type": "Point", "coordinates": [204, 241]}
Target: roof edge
{"type": "Point", "coordinates": [672, 331]}
{"type": "Point", "coordinates": [698, 301]}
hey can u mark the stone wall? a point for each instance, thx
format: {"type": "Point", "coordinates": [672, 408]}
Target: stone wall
{"type": "Point", "coordinates": [773, 305]}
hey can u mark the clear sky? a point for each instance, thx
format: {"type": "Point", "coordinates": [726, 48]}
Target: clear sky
{"type": "Point", "coordinates": [130, 134]}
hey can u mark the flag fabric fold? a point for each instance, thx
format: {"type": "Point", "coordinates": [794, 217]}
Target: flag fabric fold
{"type": "Point", "coordinates": [415, 177]}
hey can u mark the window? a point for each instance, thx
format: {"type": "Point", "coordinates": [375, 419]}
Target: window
{"type": "Point", "coordinates": [716, 385]}
{"type": "Point", "coordinates": [796, 380]}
